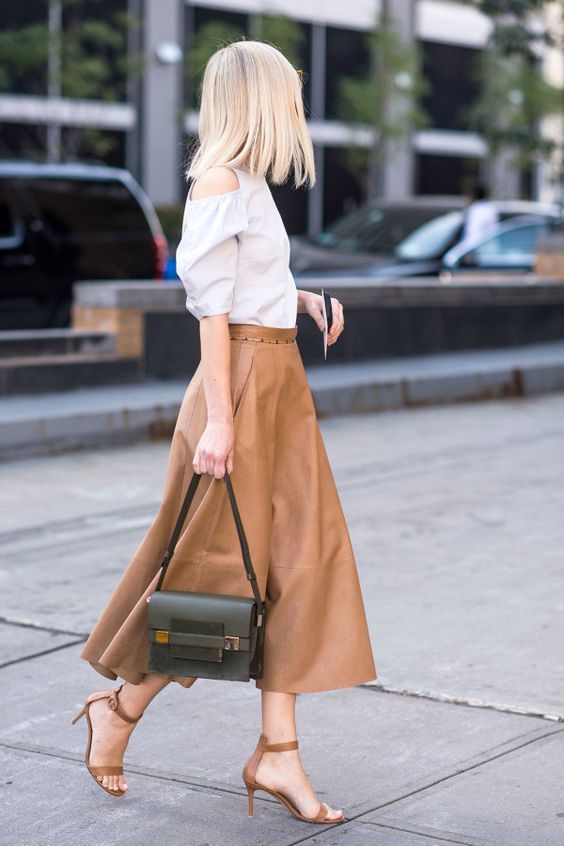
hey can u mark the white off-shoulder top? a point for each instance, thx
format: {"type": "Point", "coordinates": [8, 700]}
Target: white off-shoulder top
{"type": "Point", "coordinates": [233, 256]}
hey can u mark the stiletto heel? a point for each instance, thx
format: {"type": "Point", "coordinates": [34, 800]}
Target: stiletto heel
{"type": "Point", "coordinates": [80, 714]}
{"type": "Point", "coordinates": [113, 705]}
{"type": "Point", "coordinates": [249, 773]}
{"type": "Point", "coordinates": [250, 796]}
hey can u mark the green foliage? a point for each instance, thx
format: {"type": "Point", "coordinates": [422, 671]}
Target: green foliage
{"type": "Point", "coordinates": [209, 38]}
{"type": "Point", "coordinates": [386, 97]}
{"type": "Point", "coordinates": [515, 97]}
{"type": "Point", "coordinates": [282, 32]}
{"type": "Point", "coordinates": [93, 54]}
{"type": "Point", "coordinates": [512, 33]}
{"type": "Point", "coordinates": [24, 52]}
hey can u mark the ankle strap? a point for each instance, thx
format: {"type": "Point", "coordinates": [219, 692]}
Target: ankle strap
{"type": "Point", "coordinates": [277, 747]}
{"type": "Point", "coordinates": [114, 705]}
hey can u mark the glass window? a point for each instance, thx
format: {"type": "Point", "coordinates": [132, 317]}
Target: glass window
{"type": "Point", "coordinates": [7, 219]}
{"type": "Point", "coordinates": [378, 229]}
{"type": "Point", "coordinates": [453, 88]}
{"type": "Point", "coordinates": [444, 175]}
{"type": "Point", "coordinates": [71, 206]}
{"type": "Point", "coordinates": [11, 228]}
{"type": "Point", "coordinates": [514, 248]}
{"type": "Point", "coordinates": [346, 54]}
{"type": "Point", "coordinates": [432, 239]}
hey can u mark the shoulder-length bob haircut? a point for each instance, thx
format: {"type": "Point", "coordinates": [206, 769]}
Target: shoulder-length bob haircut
{"type": "Point", "coordinates": [252, 114]}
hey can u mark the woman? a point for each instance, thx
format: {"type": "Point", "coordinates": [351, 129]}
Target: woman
{"type": "Point", "coordinates": [248, 409]}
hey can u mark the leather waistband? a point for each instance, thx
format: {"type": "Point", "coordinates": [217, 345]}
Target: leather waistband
{"type": "Point", "coordinates": [268, 334]}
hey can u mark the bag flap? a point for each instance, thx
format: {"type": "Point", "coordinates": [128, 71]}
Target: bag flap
{"type": "Point", "coordinates": [167, 609]}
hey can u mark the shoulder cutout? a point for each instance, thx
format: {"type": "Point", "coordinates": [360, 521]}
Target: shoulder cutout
{"type": "Point", "coordinates": [215, 181]}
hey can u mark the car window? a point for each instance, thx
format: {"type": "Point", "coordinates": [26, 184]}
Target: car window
{"type": "Point", "coordinates": [10, 225]}
{"type": "Point", "coordinates": [7, 219]}
{"type": "Point", "coordinates": [515, 247]}
{"type": "Point", "coordinates": [376, 230]}
{"type": "Point", "coordinates": [432, 239]}
{"type": "Point", "coordinates": [86, 206]}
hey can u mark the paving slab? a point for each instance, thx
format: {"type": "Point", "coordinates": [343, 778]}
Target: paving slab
{"type": "Point", "coordinates": [21, 642]}
{"type": "Point", "coordinates": [67, 590]}
{"type": "Point", "coordinates": [470, 545]}
{"type": "Point", "coordinates": [50, 801]}
{"type": "Point", "coordinates": [514, 800]}
{"type": "Point", "coordinates": [360, 833]}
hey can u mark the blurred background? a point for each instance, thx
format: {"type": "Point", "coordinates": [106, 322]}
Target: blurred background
{"type": "Point", "coordinates": [409, 103]}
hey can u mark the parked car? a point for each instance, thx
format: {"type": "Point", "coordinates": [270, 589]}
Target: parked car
{"type": "Point", "coordinates": [386, 240]}
{"type": "Point", "coordinates": [510, 248]}
{"type": "Point", "coordinates": [63, 222]}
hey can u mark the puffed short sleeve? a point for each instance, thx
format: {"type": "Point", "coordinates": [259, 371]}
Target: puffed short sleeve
{"type": "Point", "coordinates": [207, 255]}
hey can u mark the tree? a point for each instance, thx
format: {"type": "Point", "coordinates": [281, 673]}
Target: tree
{"type": "Point", "coordinates": [209, 38]}
{"type": "Point", "coordinates": [515, 97]}
{"type": "Point", "coordinates": [83, 57]}
{"type": "Point", "coordinates": [279, 30]}
{"type": "Point", "coordinates": [386, 99]}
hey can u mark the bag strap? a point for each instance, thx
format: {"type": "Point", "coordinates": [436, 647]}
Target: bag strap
{"type": "Point", "coordinates": [240, 531]}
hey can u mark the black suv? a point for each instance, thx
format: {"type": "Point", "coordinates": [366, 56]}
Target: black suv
{"type": "Point", "coordinates": [64, 222]}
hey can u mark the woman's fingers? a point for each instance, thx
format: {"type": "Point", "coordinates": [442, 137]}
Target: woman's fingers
{"type": "Point", "coordinates": [338, 321]}
{"type": "Point", "coordinates": [214, 448]}
{"type": "Point", "coordinates": [208, 462]}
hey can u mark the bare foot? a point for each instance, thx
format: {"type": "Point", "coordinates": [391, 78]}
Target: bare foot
{"type": "Point", "coordinates": [283, 771]}
{"type": "Point", "coordinates": [110, 736]}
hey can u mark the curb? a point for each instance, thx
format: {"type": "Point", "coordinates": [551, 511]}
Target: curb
{"type": "Point", "coordinates": [116, 415]}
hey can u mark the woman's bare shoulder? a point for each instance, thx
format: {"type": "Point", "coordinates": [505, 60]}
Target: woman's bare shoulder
{"type": "Point", "coordinates": [219, 179]}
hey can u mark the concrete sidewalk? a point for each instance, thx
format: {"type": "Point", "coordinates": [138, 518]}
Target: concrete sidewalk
{"type": "Point", "coordinates": [456, 518]}
{"type": "Point", "coordinates": [51, 423]}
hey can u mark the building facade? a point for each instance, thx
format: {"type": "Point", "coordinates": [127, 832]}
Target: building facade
{"type": "Point", "coordinates": [149, 116]}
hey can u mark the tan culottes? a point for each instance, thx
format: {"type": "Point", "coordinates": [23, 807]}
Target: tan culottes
{"type": "Point", "coordinates": [316, 634]}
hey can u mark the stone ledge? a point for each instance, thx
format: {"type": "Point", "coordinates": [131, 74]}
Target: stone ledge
{"type": "Point", "coordinates": [43, 425]}
{"type": "Point", "coordinates": [147, 295]}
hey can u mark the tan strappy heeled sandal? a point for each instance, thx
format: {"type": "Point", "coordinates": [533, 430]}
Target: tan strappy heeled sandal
{"type": "Point", "coordinates": [249, 772]}
{"type": "Point", "coordinates": [113, 705]}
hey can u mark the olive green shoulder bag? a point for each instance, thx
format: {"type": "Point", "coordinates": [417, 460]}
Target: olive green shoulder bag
{"type": "Point", "coordinates": [206, 635]}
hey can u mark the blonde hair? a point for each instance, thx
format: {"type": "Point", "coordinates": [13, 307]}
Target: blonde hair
{"type": "Point", "coordinates": [252, 114]}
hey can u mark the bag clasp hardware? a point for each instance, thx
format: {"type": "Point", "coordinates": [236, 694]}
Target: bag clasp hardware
{"type": "Point", "coordinates": [161, 636]}
{"type": "Point", "coordinates": [232, 643]}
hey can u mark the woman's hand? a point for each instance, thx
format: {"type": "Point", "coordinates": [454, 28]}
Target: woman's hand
{"type": "Point", "coordinates": [214, 452]}
{"type": "Point", "coordinates": [312, 304]}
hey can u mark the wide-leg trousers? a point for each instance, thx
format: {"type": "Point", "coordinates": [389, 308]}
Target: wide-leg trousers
{"type": "Point", "coordinates": [316, 633]}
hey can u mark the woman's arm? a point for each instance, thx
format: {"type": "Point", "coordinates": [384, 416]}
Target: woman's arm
{"type": "Point", "coordinates": [214, 452]}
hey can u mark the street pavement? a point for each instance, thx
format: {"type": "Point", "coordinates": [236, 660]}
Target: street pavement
{"type": "Point", "coordinates": [455, 514]}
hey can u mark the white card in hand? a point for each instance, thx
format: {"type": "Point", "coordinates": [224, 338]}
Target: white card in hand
{"type": "Point", "coordinates": [327, 318]}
